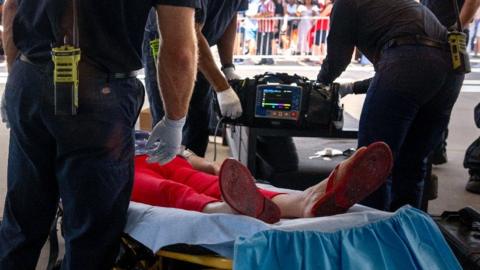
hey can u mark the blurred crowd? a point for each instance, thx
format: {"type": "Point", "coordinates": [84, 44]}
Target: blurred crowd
{"type": "Point", "coordinates": [298, 27]}
{"type": "Point", "coordinates": [475, 35]}
{"type": "Point", "coordinates": [284, 27]}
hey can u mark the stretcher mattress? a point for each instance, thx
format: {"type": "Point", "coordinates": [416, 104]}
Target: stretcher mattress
{"type": "Point", "coordinates": [157, 227]}
{"type": "Point", "coordinates": [362, 238]}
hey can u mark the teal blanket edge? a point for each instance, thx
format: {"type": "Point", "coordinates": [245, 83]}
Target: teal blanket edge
{"type": "Point", "coordinates": [409, 239]}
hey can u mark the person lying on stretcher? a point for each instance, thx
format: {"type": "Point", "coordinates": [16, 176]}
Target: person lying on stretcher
{"type": "Point", "coordinates": [192, 183]}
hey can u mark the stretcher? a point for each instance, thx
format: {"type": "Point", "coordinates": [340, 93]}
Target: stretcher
{"type": "Point", "coordinates": [362, 238]}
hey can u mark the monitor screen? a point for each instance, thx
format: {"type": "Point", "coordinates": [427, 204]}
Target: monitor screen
{"type": "Point", "coordinates": [277, 99]}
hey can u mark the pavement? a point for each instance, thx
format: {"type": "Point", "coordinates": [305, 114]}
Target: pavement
{"type": "Point", "coordinates": [452, 176]}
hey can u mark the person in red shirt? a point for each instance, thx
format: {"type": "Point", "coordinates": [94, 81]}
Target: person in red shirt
{"type": "Point", "coordinates": [192, 183]}
{"type": "Point", "coordinates": [318, 33]}
{"type": "Point", "coordinates": [266, 30]}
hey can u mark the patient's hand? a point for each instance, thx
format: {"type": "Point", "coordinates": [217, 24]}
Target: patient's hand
{"type": "Point", "coordinates": [203, 165]}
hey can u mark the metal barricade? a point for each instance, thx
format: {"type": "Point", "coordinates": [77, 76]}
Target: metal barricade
{"type": "Point", "coordinates": [281, 38]}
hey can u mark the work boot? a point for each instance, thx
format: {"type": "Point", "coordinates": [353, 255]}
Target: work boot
{"type": "Point", "coordinates": [473, 184]}
{"type": "Point", "coordinates": [439, 156]}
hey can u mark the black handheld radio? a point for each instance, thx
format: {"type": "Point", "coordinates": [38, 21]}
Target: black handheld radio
{"type": "Point", "coordinates": [457, 40]}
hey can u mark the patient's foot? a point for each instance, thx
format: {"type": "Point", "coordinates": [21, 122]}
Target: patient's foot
{"type": "Point", "coordinates": [241, 194]}
{"type": "Point", "coordinates": [314, 193]}
{"type": "Point", "coordinates": [353, 180]}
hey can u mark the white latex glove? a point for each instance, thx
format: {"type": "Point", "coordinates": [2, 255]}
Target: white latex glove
{"type": "Point", "coordinates": [345, 89]}
{"type": "Point", "coordinates": [230, 73]}
{"type": "Point", "coordinates": [3, 111]}
{"type": "Point", "coordinates": [229, 102]}
{"type": "Point", "coordinates": [168, 133]}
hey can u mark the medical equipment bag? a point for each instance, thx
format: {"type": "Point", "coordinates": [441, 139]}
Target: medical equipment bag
{"type": "Point", "coordinates": [461, 229]}
{"type": "Point", "coordinates": [280, 100]}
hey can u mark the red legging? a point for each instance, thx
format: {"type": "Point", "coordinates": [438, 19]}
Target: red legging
{"type": "Point", "coordinates": [176, 184]}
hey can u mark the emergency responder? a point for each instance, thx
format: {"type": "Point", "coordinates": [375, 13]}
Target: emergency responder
{"type": "Point", "coordinates": [216, 23]}
{"type": "Point", "coordinates": [410, 98]}
{"type": "Point", "coordinates": [85, 159]}
{"type": "Point", "coordinates": [445, 13]}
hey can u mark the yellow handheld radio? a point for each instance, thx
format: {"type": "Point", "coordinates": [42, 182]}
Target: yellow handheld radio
{"type": "Point", "coordinates": [457, 40]}
{"type": "Point", "coordinates": [65, 73]}
{"type": "Point", "coordinates": [65, 78]}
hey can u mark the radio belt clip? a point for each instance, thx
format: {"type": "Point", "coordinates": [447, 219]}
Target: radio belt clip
{"type": "Point", "coordinates": [65, 77]}
{"type": "Point", "coordinates": [154, 46]}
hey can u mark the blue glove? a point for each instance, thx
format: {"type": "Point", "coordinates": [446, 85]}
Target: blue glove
{"type": "Point", "coordinates": [165, 140]}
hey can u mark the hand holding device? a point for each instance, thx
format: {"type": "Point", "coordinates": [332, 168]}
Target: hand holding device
{"type": "Point", "coordinates": [230, 73]}
{"type": "Point", "coordinates": [229, 103]}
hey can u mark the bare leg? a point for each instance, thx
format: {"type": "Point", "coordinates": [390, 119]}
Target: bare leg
{"type": "Point", "coordinates": [218, 207]}
{"type": "Point", "coordinates": [364, 172]}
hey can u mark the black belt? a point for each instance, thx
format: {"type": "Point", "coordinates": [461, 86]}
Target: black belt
{"type": "Point", "coordinates": [89, 70]}
{"type": "Point", "coordinates": [416, 40]}
{"type": "Point", "coordinates": [25, 59]}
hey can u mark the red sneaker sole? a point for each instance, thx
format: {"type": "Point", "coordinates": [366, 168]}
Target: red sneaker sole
{"type": "Point", "coordinates": [365, 175]}
{"type": "Point", "coordinates": [240, 192]}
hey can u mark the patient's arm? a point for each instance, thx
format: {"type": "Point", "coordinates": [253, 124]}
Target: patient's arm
{"type": "Point", "coordinates": [201, 164]}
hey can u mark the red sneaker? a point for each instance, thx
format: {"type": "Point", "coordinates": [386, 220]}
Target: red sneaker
{"type": "Point", "coordinates": [363, 175]}
{"type": "Point", "coordinates": [240, 192]}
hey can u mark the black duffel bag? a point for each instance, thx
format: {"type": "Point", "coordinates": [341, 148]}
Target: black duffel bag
{"type": "Point", "coordinates": [472, 156]}
{"type": "Point", "coordinates": [461, 229]}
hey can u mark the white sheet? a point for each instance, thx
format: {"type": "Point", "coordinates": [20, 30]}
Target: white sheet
{"type": "Point", "coordinates": [157, 227]}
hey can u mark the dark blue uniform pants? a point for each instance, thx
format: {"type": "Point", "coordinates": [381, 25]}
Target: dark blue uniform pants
{"type": "Point", "coordinates": [408, 105]}
{"type": "Point", "coordinates": [151, 85]}
{"type": "Point", "coordinates": [196, 130]}
{"type": "Point", "coordinates": [84, 160]}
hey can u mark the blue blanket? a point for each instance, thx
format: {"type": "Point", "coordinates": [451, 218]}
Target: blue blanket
{"type": "Point", "coordinates": [407, 240]}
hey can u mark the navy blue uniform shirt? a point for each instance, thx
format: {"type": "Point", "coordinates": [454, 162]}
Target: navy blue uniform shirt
{"type": "Point", "coordinates": [443, 9]}
{"type": "Point", "coordinates": [214, 15]}
{"type": "Point", "coordinates": [368, 25]}
{"type": "Point", "coordinates": [217, 17]}
{"type": "Point", "coordinates": [111, 31]}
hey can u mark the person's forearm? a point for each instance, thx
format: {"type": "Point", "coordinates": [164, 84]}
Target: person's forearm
{"type": "Point", "coordinates": [227, 42]}
{"type": "Point", "coordinates": [11, 51]}
{"type": "Point", "coordinates": [336, 61]}
{"type": "Point", "coordinates": [177, 61]}
{"type": "Point", "coordinates": [361, 87]}
{"type": "Point", "coordinates": [207, 65]}
{"type": "Point", "coordinates": [468, 12]}
{"type": "Point", "coordinates": [203, 165]}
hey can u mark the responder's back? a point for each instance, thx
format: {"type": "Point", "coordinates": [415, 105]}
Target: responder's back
{"type": "Point", "coordinates": [101, 24]}
{"type": "Point", "coordinates": [372, 23]}
{"type": "Point", "coordinates": [443, 9]}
